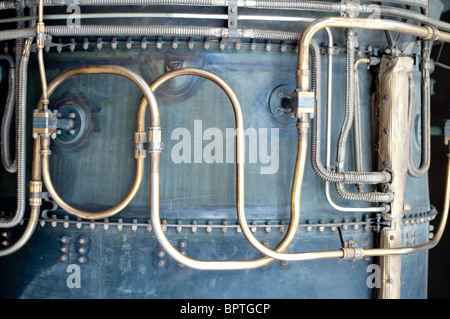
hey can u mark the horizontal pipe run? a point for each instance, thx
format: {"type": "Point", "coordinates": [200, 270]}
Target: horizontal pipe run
{"type": "Point", "coordinates": [17, 34]}
{"type": "Point", "coordinates": [303, 72]}
{"type": "Point", "coordinates": [153, 15]}
{"type": "Point", "coordinates": [171, 31]}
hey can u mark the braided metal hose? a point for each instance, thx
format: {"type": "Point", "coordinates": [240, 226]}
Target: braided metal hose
{"type": "Point", "coordinates": [8, 164]}
{"type": "Point", "coordinates": [21, 144]}
{"type": "Point", "coordinates": [316, 129]}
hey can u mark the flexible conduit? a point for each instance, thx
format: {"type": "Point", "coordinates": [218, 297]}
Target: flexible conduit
{"type": "Point", "coordinates": [261, 4]}
{"type": "Point", "coordinates": [8, 164]}
{"type": "Point", "coordinates": [316, 129]}
{"type": "Point", "coordinates": [425, 115]}
{"type": "Point", "coordinates": [418, 3]}
{"type": "Point", "coordinates": [349, 120]}
{"type": "Point", "coordinates": [21, 142]}
{"type": "Point", "coordinates": [170, 31]}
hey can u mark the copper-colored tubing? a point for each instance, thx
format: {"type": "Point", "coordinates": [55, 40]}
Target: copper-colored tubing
{"type": "Point", "coordinates": [34, 210]}
{"type": "Point", "coordinates": [154, 184]}
{"type": "Point", "coordinates": [45, 153]}
{"type": "Point", "coordinates": [348, 253]}
{"type": "Point", "coordinates": [303, 72]}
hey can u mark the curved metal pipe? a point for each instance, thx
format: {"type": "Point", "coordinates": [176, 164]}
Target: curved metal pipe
{"type": "Point", "coordinates": [425, 246]}
{"type": "Point", "coordinates": [303, 72]}
{"type": "Point", "coordinates": [154, 184]}
{"type": "Point", "coordinates": [45, 147]}
{"type": "Point", "coordinates": [34, 212]}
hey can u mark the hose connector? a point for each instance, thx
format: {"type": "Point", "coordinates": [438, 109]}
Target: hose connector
{"type": "Point", "coordinates": [352, 253]}
{"type": "Point", "coordinates": [140, 141]}
{"type": "Point", "coordinates": [302, 102]}
{"type": "Point", "coordinates": [155, 144]}
{"type": "Point", "coordinates": [45, 122]}
{"type": "Point", "coordinates": [433, 34]}
{"type": "Point", "coordinates": [40, 35]}
{"type": "Point", "coordinates": [35, 198]}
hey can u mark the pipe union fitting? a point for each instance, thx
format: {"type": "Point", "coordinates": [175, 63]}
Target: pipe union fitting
{"type": "Point", "coordinates": [353, 253]}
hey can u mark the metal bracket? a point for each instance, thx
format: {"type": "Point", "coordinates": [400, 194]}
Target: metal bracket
{"type": "Point", "coordinates": [302, 102]}
{"type": "Point", "coordinates": [45, 122]}
{"type": "Point", "coordinates": [233, 19]}
{"type": "Point", "coordinates": [154, 143]}
{"type": "Point", "coordinates": [140, 140]}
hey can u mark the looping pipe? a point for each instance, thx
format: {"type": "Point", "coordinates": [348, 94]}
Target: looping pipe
{"type": "Point", "coordinates": [101, 69]}
{"type": "Point", "coordinates": [154, 184]}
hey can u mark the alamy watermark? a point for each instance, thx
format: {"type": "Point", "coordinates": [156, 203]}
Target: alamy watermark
{"type": "Point", "coordinates": [73, 21]}
{"type": "Point", "coordinates": [374, 278]}
{"type": "Point", "coordinates": [214, 145]}
{"type": "Point", "coordinates": [74, 279]}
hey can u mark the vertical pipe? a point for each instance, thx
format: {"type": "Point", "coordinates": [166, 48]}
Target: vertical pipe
{"type": "Point", "coordinates": [392, 103]}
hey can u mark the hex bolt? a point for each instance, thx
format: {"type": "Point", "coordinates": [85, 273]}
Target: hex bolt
{"type": "Point", "coordinates": [82, 259]}
{"type": "Point", "coordinates": [161, 263]}
{"type": "Point", "coordinates": [181, 244]}
{"type": "Point", "coordinates": [82, 250]}
{"type": "Point", "coordinates": [63, 258]}
{"type": "Point", "coordinates": [114, 43]}
{"type": "Point", "coordinates": [64, 239]}
{"type": "Point", "coordinates": [64, 249]}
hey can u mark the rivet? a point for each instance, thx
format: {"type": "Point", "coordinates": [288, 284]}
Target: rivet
{"type": "Point", "coordinates": [160, 253]}
{"type": "Point", "coordinates": [82, 259]}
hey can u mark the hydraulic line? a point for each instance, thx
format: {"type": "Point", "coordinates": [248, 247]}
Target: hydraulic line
{"type": "Point", "coordinates": [425, 115]}
{"type": "Point", "coordinates": [426, 133]}
{"type": "Point", "coordinates": [154, 183]}
{"type": "Point", "coordinates": [17, 34]}
{"type": "Point", "coordinates": [263, 4]}
{"type": "Point", "coordinates": [357, 127]}
{"type": "Point", "coordinates": [35, 204]}
{"type": "Point", "coordinates": [8, 164]}
{"type": "Point", "coordinates": [164, 30]}
{"type": "Point", "coordinates": [349, 120]}
{"type": "Point", "coordinates": [418, 3]}
{"type": "Point", "coordinates": [350, 100]}
{"type": "Point", "coordinates": [18, 56]}
{"type": "Point", "coordinates": [319, 169]}
{"type": "Point", "coordinates": [45, 150]}
{"type": "Point", "coordinates": [21, 141]}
